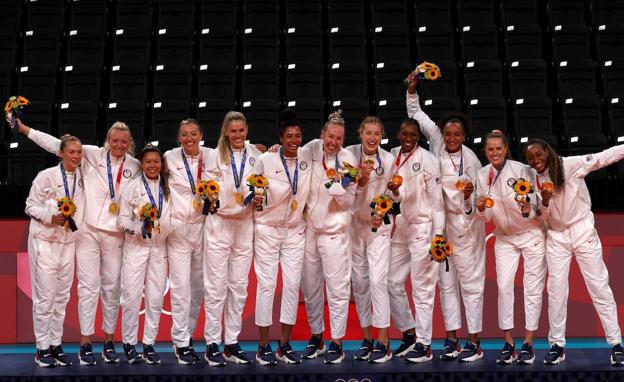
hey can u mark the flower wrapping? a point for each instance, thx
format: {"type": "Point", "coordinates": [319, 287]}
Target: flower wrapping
{"type": "Point", "coordinates": [208, 190]}
{"type": "Point", "coordinates": [440, 250]}
{"type": "Point", "coordinates": [258, 186]}
{"type": "Point", "coordinates": [427, 71]}
{"type": "Point", "coordinates": [522, 188]}
{"type": "Point", "coordinates": [382, 206]}
{"type": "Point", "coordinates": [346, 173]}
{"type": "Point", "coordinates": [14, 108]}
{"type": "Point", "coordinates": [148, 215]}
{"type": "Point", "coordinates": [67, 207]}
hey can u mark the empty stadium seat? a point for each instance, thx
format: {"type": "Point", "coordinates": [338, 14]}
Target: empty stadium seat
{"type": "Point", "coordinates": [445, 86]}
{"type": "Point", "coordinates": [210, 114]}
{"type": "Point", "coordinates": [261, 45]}
{"type": "Point", "coordinates": [570, 41]}
{"type": "Point", "coordinates": [523, 42]}
{"type": "Point", "coordinates": [128, 83]}
{"type": "Point", "coordinates": [217, 81]}
{"type": "Point", "coordinates": [261, 14]}
{"type": "Point", "coordinates": [613, 79]}
{"type": "Point", "coordinates": [483, 78]}
{"type": "Point", "coordinates": [435, 42]}
{"type": "Point", "coordinates": [304, 80]}
{"type": "Point", "coordinates": [475, 12]}
{"type": "Point", "coordinates": [131, 47]}
{"type": "Point", "coordinates": [582, 122]}
{"type": "Point", "coordinates": [79, 118]}
{"type": "Point", "coordinates": [174, 46]}
{"type": "Point", "coordinates": [135, 14]}
{"type": "Point", "coordinates": [311, 116]}
{"type": "Point", "coordinates": [391, 43]}
{"type": "Point", "coordinates": [85, 47]}
{"type": "Point", "coordinates": [606, 12]}
{"type": "Point", "coordinates": [487, 114]}
{"type": "Point", "coordinates": [389, 79]}
{"type": "Point", "coordinates": [346, 13]}
{"type": "Point", "coordinates": [37, 82]}
{"type": "Point", "coordinates": [433, 12]}
{"type": "Point", "coordinates": [566, 11]}
{"type": "Point", "coordinates": [176, 14]}
{"type": "Point", "coordinates": [576, 78]}
{"type": "Point", "coordinates": [260, 81]}
{"type": "Point", "coordinates": [610, 41]}
{"type": "Point", "coordinates": [533, 119]}
{"type": "Point", "coordinates": [304, 14]}
{"type": "Point", "coordinates": [132, 113]}
{"type": "Point", "coordinates": [348, 79]}
{"type": "Point", "coordinates": [303, 44]}
{"type": "Point", "coordinates": [389, 13]}
{"type": "Point", "coordinates": [81, 83]}
{"type": "Point", "coordinates": [166, 117]}
{"type": "Point", "coordinates": [217, 46]}
{"type": "Point", "coordinates": [438, 106]}
{"type": "Point", "coordinates": [518, 12]}
{"type": "Point", "coordinates": [262, 118]}
{"type": "Point", "coordinates": [89, 14]}
{"type": "Point", "coordinates": [172, 82]}
{"type": "Point", "coordinates": [479, 42]}
{"type": "Point", "coordinates": [347, 43]}
{"type": "Point", "coordinates": [218, 15]}
{"type": "Point", "coordinates": [528, 78]}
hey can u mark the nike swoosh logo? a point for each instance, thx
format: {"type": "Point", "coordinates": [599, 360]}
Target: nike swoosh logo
{"type": "Point", "coordinates": [60, 185]}
{"type": "Point", "coordinates": [332, 238]}
{"type": "Point", "coordinates": [278, 171]}
{"type": "Point", "coordinates": [179, 168]}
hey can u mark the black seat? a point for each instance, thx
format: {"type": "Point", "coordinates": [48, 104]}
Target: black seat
{"type": "Point", "coordinates": [528, 78]}
{"type": "Point", "coordinates": [561, 12]}
{"type": "Point", "coordinates": [172, 82]}
{"type": "Point", "coordinates": [389, 13]}
{"type": "Point", "coordinates": [483, 78]}
{"type": "Point", "coordinates": [311, 116]}
{"type": "Point", "coordinates": [210, 116]}
{"type": "Point", "coordinates": [347, 43]}
{"type": "Point", "coordinates": [582, 123]}
{"type": "Point", "coordinates": [348, 79]}
{"type": "Point", "coordinates": [217, 81]}
{"type": "Point", "coordinates": [37, 82]}
{"type": "Point", "coordinates": [479, 42]}
{"type": "Point", "coordinates": [132, 113]}
{"type": "Point", "coordinates": [475, 12]}
{"type": "Point", "coordinates": [176, 14]}
{"type": "Point", "coordinates": [79, 118]}
{"type": "Point", "coordinates": [218, 15]}
{"type": "Point", "coordinates": [166, 117]}
{"type": "Point", "coordinates": [131, 46]}
{"type": "Point", "coordinates": [346, 13]}
{"type": "Point", "coordinates": [391, 43]}
{"type": "Point", "coordinates": [174, 46]}
{"type": "Point", "coordinates": [261, 45]}
{"type": "Point", "coordinates": [85, 47]}
{"type": "Point", "coordinates": [45, 15]}
{"type": "Point", "coordinates": [81, 83]}
{"type": "Point", "coordinates": [433, 12]}
{"type": "Point", "coordinates": [128, 83]}
{"type": "Point", "coordinates": [304, 80]}
{"type": "Point", "coordinates": [217, 46]}
{"type": "Point", "coordinates": [576, 78]}
{"type": "Point", "coordinates": [517, 12]}
{"type": "Point", "coordinates": [90, 14]}
{"type": "Point", "coordinates": [262, 118]}
{"type": "Point", "coordinates": [437, 107]}
{"type": "Point", "coordinates": [304, 14]}
{"type": "Point", "coordinates": [389, 79]}
{"type": "Point", "coordinates": [260, 81]}
{"type": "Point", "coordinates": [135, 14]}
{"type": "Point", "coordinates": [606, 12]}
{"type": "Point", "coordinates": [610, 41]}
{"type": "Point", "coordinates": [523, 42]}
{"type": "Point", "coordinates": [570, 41]}
{"type": "Point", "coordinates": [435, 42]}
{"type": "Point", "coordinates": [303, 45]}
{"type": "Point", "coordinates": [533, 119]}
{"type": "Point", "coordinates": [445, 86]}
{"type": "Point", "coordinates": [613, 79]}
{"type": "Point", "coordinates": [261, 14]}
{"type": "Point", "coordinates": [41, 48]}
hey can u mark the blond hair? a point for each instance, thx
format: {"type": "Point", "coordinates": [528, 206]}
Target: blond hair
{"type": "Point", "coordinates": [334, 118]}
{"type": "Point", "coordinates": [374, 121]}
{"type": "Point", "coordinates": [223, 146]}
{"type": "Point", "coordinates": [120, 126]}
{"type": "Point", "coordinates": [65, 139]}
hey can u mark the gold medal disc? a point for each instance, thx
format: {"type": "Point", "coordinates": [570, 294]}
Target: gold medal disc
{"type": "Point", "coordinates": [239, 198]}
{"type": "Point", "coordinates": [113, 208]}
{"type": "Point", "coordinates": [197, 204]}
{"type": "Point", "coordinates": [293, 205]}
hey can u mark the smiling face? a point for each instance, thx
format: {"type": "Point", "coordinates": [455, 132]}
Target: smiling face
{"type": "Point", "coordinates": [236, 131]}
{"type": "Point", "coordinates": [151, 164]}
{"type": "Point", "coordinates": [118, 143]}
{"type": "Point", "coordinates": [333, 137]}
{"type": "Point", "coordinates": [408, 136]}
{"type": "Point", "coordinates": [537, 158]}
{"type": "Point", "coordinates": [189, 136]}
{"type": "Point", "coordinates": [454, 136]}
{"type": "Point", "coordinates": [496, 151]}
{"type": "Point", "coordinates": [71, 155]}
{"type": "Point", "coordinates": [371, 135]}
{"type": "Point", "coordinates": [291, 139]}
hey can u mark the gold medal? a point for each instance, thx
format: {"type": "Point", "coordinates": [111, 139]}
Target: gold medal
{"type": "Point", "coordinates": [197, 204]}
{"type": "Point", "coordinates": [293, 205]}
{"type": "Point", "coordinates": [113, 208]}
{"type": "Point", "coordinates": [239, 198]}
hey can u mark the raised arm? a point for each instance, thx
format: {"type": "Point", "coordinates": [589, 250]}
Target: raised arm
{"type": "Point", "coordinates": [593, 162]}
{"type": "Point", "coordinates": [429, 129]}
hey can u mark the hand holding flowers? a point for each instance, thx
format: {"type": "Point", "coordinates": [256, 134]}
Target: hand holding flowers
{"type": "Point", "coordinates": [148, 215]}
{"type": "Point", "coordinates": [67, 209]}
{"type": "Point", "coordinates": [208, 191]}
{"type": "Point", "coordinates": [440, 250]}
{"type": "Point", "coordinates": [258, 186]}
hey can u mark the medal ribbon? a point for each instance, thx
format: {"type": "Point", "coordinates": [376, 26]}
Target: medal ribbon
{"type": "Point", "coordinates": [337, 165]}
{"type": "Point", "coordinates": [495, 178]}
{"type": "Point", "coordinates": [64, 176]}
{"type": "Point", "coordinates": [110, 175]}
{"type": "Point", "coordinates": [295, 180]}
{"type": "Point", "coordinates": [238, 177]}
{"type": "Point", "coordinates": [188, 170]}
{"type": "Point", "coordinates": [378, 159]}
{"type": "Point", "coordinates": [151, 197]}
{"type": "Point", "coordinates": [398, 163]}
{"type": "Point", "coordinates": [461, 162]}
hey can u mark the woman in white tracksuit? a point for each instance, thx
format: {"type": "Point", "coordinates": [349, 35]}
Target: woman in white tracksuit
{"type": "Point", "coordinates": [327, 247]}
{"type": "Point", "coordinates": [463, 229]}
{"type": "Point", "coordinates": [144, 270]}
{"type": "Point", "coordinates": [51, 249]}
{"type": "Point", "coordinates": [228, 241]}
{"type": "Point", "coordinates": [185, 246]}
{"type": "Point", "coordinates": [106, 170]}
{"type": "Point", "coordinates": [566, 208]}
{"type": "Point", "coordinates": [371, 250]}
{"type": "Point", "coordinates": [421, 219]}
{"type": "Point", "coordinates": [519, 232]}
{"type": "Point", "coordinates": [279, 237]}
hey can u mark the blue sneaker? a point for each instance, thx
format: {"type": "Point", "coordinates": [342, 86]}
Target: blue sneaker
{"type": "Point", "coordinates": [451, 349]}
{"type": "Point", "coordinates": [150, 356]}
{"type": "Point", "coordinates": [192, 350]}
{"type": "Point", "coordinates": [364, 352]}
{"type": "Point", "coordinates": [131, 353]}
{"type": "Point", "coordinates": [420, 353]}
{"type": "Point", "coordinates": [471, 352]}
{"type": "Point", "coordinates": [43, 358]}
{"type": "Point", "coordinates": [617, 355]}
{"type": "Point", "coordinates": [85, 355]}
{"type": "Point", "coordinates": [555, 356]}
{"type": "Point", "coordinates": [527, 355]}
{"type": "Point", "coordinates": [335, 354]}
{"type": "Point", "coordinates": [234, 353]}
{"type": "Point", "coordinates": [315, 347]}
{"type": "Point", "coordinates": [286, 354]}
{"type": "Point", "coordinates": [265, 355]}
{"type": "Point", "coordinates": [380, 353]}
{"type": "Point", "coordinates": [109, 355]}
{"type": "Point", "coordinates": [184, 355]}
{"type": "Point", "coordinates": [60, 358]}
{"type": "Point", "coordinates": [508, 355]}
{"type": "Point", "coordinates": [213, 356]}
{"type": "Point", "coordinates": [407, 344]}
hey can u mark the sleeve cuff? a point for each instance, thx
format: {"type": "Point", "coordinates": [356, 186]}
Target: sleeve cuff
{"type": "Point", "coordinates": [337, 190]}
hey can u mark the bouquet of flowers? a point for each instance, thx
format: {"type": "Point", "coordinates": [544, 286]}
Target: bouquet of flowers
{"type": "Point", "coordinates": [440, 250]}
{"type": "Point", "coordinates": [258, 186]}
{"type": "Point", "coordinates": [522, 188]}
{"type": "Point", "coordinates": [427, 71]}
{"type": "Point", "coordinates": [14, 108]}
{"type": "Point", "coordinates": [208, 191]}
{"type": "Point", "coordinates": [382, 205]}
{"type": "Point", "coordinates": [346, 173]}
{"type": "Point", "coordinates": [67, 207]}
{"type": "Point", "coordinates": [148, 215]}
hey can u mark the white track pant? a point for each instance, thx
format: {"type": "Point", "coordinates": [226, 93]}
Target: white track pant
{"type": "Point", "coordinates": [466, 275]}
{"type": "Point", "coordinates": [51, 267]}
{"type": "Point", "coordinates": [410, 253]}
{"type": "Point", "coordinates": [582, 241]}
{"type": "Point", "coordinates": [531, 245]}
{"type": "Point", "coordinates": [228, 252]}
{"type": "Point", "coordinates": [369, 273]}
{"type": "Point", "coordinates": [327, 258]}
{"type": "Point", "coordinates": [144, 272]}
{"type": "Point", "coordinates": [186, 277]}
{"type": "Point", "coordinates": [284, 247]}
{"type": "Point", "coordinates": [98, 268]}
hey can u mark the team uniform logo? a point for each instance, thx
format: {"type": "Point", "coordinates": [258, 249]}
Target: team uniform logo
{"type": "Point", "coordinates": [379, 171]}
{"type": "Point", "coordinates": [252, 161]}
{"type": "Point", "coordinates": [511, 181]}
{"type": "Point", "coordinates": [303, 165]}
{"type": "Point", "coordinates": [127, 173]}
{"type": "Point", "coordinates": [416, 167]}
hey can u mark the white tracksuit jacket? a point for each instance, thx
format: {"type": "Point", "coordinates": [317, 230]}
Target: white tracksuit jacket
{"type": "Point", "coordinates": [571, 232]}
{"type": "Point", "coordinates": [279, 234]}
{"type": "Point", "coordinates": [327, 247]}
{"type": "Point", "coordinates": [185, 246]}
{"type": "Point", "coordinates": [463, 229]}
{"type": "Point", "coordinates": [228, 248]}
{"type": "Point", "coordinates": [51, 250]}
{"type": "Point", "coordinates": [422, 217]}
{"type": "Point", "coordinates": [144, 270]}
{"type": "Point", "coordinates": [98, 247]}
{"type": "Point", "coordinates": [515, 236]}
{"type": "Point", "coordinates": [371, 250]}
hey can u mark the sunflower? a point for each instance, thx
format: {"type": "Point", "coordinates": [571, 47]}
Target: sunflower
{"type": "Point", "coordinates": [448, 248]}
{"type": "Point", "coordinates": [8, 107]}
{"type": "Point", "coordinates": [200, 188]}
{"type": "Point", "coordinates": [152, 214]}
{"type": "Point", "coordinates": [383, 204]}
{"type": "Point", "coordinates": [437, 241]}
{"type": "Point", "coordinates": [66, 206]}
{"type": "Point", "coordinates": [522, 187]}
{"type": "Point", "coordinates": [213, 187]}
{"type": "Point", "coordinates": [438, 254]}
{"type": "Point", "coordinates": [260, 181]}
{"type": "Point", "coordinates": [434, 74]}
{"type": "Point", "coordinates": [23, 101]}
